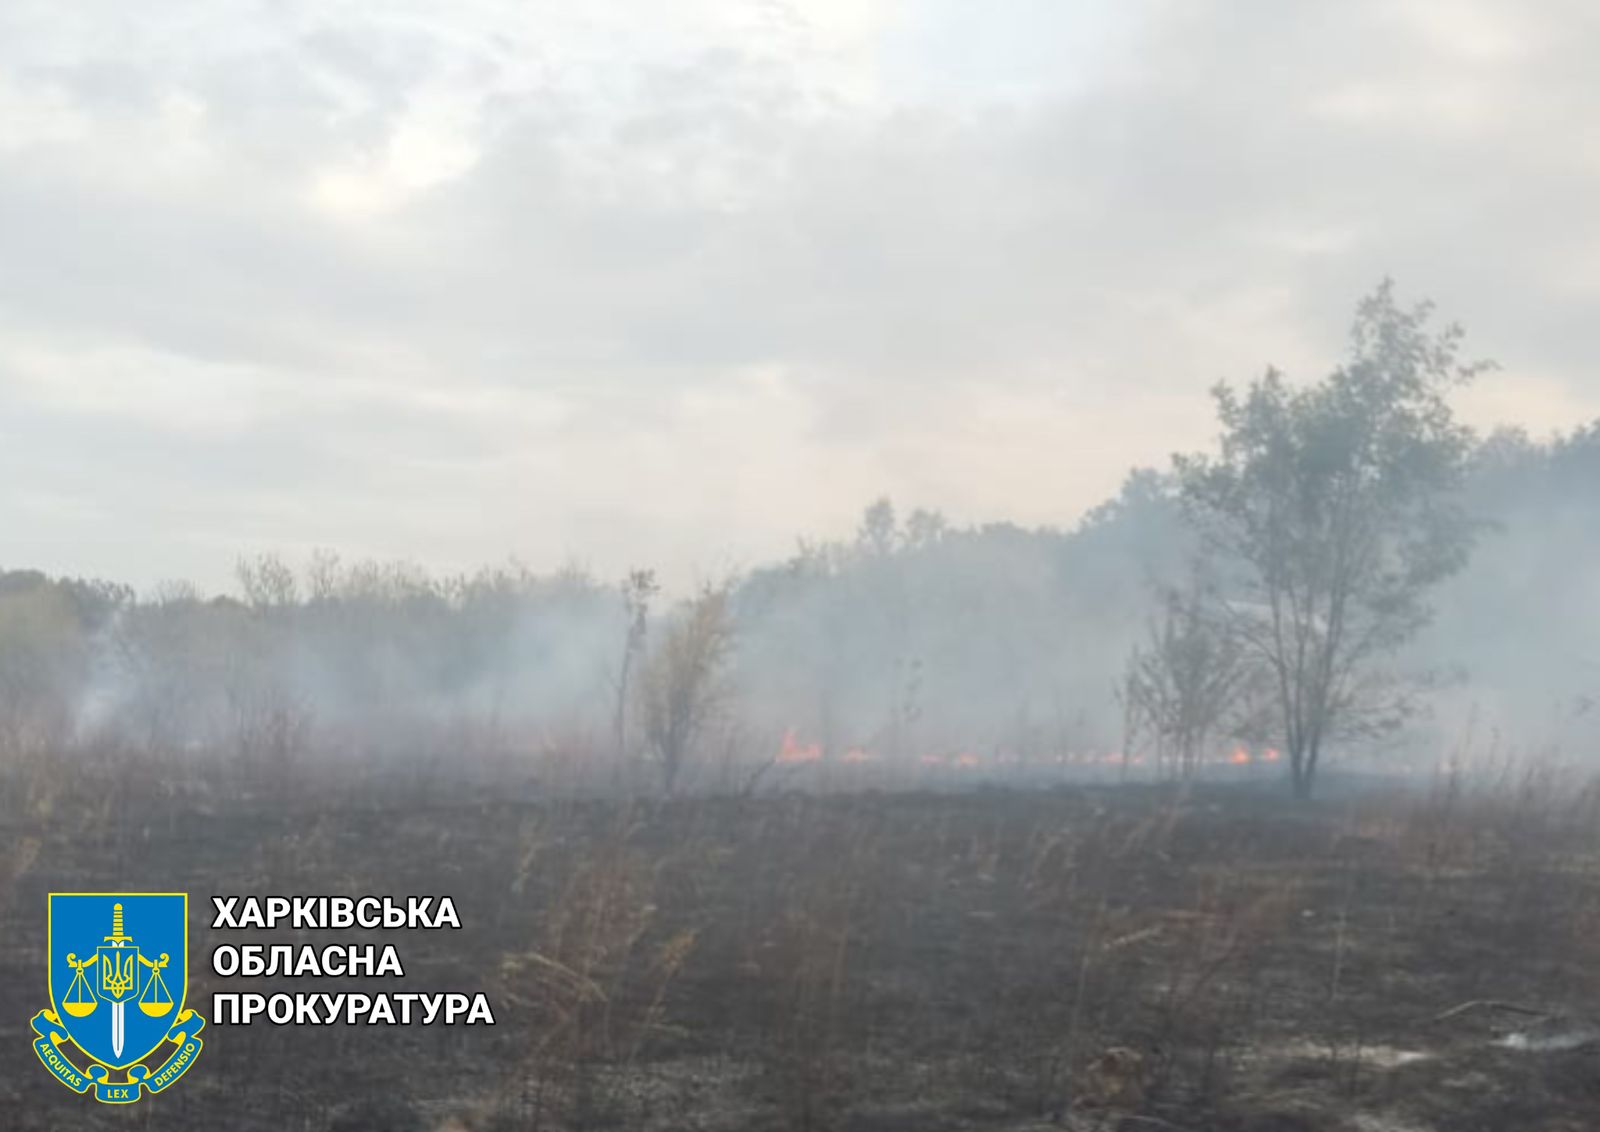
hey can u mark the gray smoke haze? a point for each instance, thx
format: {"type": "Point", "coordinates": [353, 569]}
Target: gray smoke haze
{"type": "Point", "coordinates": [957, 654]}
{"type": "Point", "coordinates": [671, 283]}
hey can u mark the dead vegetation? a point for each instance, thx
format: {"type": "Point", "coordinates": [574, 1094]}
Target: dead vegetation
{"type": "Point", "coordinates": [1128, 958]}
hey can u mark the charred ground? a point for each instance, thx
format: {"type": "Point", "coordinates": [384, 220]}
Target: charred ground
{"type": "Point", "coordinates": [1087, 958]}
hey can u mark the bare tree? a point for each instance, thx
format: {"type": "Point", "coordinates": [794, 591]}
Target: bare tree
{"type": "Point", "coordinates": [1332, 509]}
{"type": "Point", "coordinates": [682, 684]}
{"type": "Point", "coordinates": [267, 582]}
{"type": "Point", "coordinates": [1185, 681]}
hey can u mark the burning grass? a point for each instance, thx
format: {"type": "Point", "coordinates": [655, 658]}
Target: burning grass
{"type": "Point", "coordinates": [1080, 957]}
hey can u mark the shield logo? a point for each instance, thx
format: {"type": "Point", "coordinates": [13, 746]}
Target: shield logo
{"type": "Point", "coordinates": [118, 972]}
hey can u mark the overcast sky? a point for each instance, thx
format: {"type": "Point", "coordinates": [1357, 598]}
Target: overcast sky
{"type": "Point", "coordinates": [635, 282]}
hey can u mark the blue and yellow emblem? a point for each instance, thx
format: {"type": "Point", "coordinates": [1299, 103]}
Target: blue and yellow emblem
{"type": "Point", "coordinates": [119, 972]}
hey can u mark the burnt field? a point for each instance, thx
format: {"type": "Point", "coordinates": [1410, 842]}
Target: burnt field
{"type": "Point", "coordinates": [1091, 958]}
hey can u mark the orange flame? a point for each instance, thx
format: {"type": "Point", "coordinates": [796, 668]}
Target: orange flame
{"type": "Point", "coordinates": [793, 751]}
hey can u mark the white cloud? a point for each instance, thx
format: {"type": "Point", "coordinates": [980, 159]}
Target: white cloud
{"type": "Point", "coordinates": [34, 115]}
{"type": "Point", "coordinates": [673, 283]}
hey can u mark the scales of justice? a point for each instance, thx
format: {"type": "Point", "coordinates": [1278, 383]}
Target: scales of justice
{"type": "Point", "coordinates": [119, 976]}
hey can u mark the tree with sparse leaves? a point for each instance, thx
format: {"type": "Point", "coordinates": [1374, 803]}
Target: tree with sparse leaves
{"type": "Point", "coordinates": [1331, 511]}
{"type": "Point", "coordinates": [1184, 682]}
{"type": "Point", "coordinates": [682, 683]}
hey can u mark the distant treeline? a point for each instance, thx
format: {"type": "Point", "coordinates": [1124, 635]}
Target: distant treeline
{"type": "Point", "coordinates": [912, 638]}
